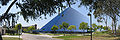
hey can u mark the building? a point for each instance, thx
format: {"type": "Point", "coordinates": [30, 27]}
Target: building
{"type": "Point", "coordinates": [2, 30]}
{"type": "Point", "coordinates": [26, 27]}
{"type": "Point", "coordinates": [70, 16]}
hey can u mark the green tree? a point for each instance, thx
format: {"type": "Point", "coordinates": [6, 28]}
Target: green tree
{"type": "Point", "coordinates": [94, 27]}
{"type": "Point", "coordinates": [25, 30]}
{"type": "Point", "coordinates": [83, 26]}
{"type": "Point", "coordinates": [31, 9]}
{"type": "Point", "coordinates": [102, 8]}
{"type": "Point", "coordinates": [100, 27]}
{"type": "Point", "coordinates": [31, 28]}
{"type": "Point", "coordinates": [18, 27]}
{"type": "Point", "coordinates": [72, 27]}
{"type": "Point", "coordinates": [35, 8]}
{"type": "Point", "coordinates": [64, 26]}
{"type": "Point", "coordinates": [106, 28]}
{"type": "Point", "coordinates": [54, 28]}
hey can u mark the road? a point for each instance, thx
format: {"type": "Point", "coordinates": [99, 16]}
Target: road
{"type": "Point", "coordinates": [37, 37]}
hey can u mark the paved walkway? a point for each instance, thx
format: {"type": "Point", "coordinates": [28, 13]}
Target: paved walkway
{"type": "Point", "coordinates": [10, 36]}
{"type": "Point", "coordinates": [37, 37]}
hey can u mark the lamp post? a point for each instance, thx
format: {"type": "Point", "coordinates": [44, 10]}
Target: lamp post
{"type": "Point", "coordinates": [19, 29]}
{"type": "Point", "coordinates": [90, 23]}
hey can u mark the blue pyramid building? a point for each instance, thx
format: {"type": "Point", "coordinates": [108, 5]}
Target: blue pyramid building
{"type": "Point", "coordinates": [70, 16]}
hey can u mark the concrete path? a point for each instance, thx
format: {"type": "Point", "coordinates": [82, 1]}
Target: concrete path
{"type": "Point", "coordinates": [10, 36]}
{"type": "Point", "coordinates": [37, 37]}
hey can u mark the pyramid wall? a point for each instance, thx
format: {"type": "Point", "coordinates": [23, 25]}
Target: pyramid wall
{"type": "Point", "coordinates": [70, 16]}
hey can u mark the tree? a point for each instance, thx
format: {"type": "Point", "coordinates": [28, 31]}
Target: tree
{"type": "Point", "coordinates": [72, 27]}
{"type": "Point", "coordinates": [4, 2]}
{"type": "Point", "coordinates": [100, 27]}
{"type": "Point", "coordinates": [83, 26]}
{"type": "Point", "coordinates": [18, 27]}
{"type": "Point", "coordinates": [31, 28]}
{"type": "Point", "coordinates": [25, 30]}
{"type": "Point", "coordinates": [101, 8]}
{"type": "Point", "coordinates": [64, 26]}
{"type": "Point", "coordinates": [112, 27]}
{"type": "Point", "coordinates": [118, 26]}
{"type": "Point", "coordinates": [94, 27]}
{"type": "Point", "coordinates": [35, 8]}
{"type": "Point", "coordinates": [54, 28]}
{"type": "Point", "coordinates": [106, 28]}
{"type": "Point", "coordinates": [32, 9]}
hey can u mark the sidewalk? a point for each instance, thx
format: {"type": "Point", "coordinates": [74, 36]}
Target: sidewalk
{"type": "Point", "coordinates": [37, 37]}
{"type": "Point", "coordinates": [10, 36]}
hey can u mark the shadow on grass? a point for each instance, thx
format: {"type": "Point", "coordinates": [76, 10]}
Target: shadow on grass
{"type": "Point", "coordinates": [111, 37]}
{"type": "Point", "coordinates": [118, 38]}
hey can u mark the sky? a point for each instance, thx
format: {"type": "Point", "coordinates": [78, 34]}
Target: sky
{"type": "Point", "coordinates": [41, 22]}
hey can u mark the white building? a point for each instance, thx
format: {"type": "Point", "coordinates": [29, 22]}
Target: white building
{"type": "Point", "coordinates": [2, 30]}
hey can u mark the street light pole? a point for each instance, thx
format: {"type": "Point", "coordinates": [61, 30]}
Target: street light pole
{"type": "Point", "coordinates": [90, 23]}
{"type": "Point", "coordinates": [19, 29]}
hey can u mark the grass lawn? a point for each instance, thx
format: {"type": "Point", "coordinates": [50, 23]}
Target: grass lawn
{"type": "Point", "coordinates": [55, 34]}
{"type": "Point", "coordinates": [33, 34]}
{"type": "Point", "coordinates": [101, 36]}
{"type": "Point", "coordinates": [45, 34]}
{"type": "Point", "coordinates": [10, 38]}
{"type": "Point", "coordinates": [70, 37]}
{"type": "Point", "coordinates": [12, 34]}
